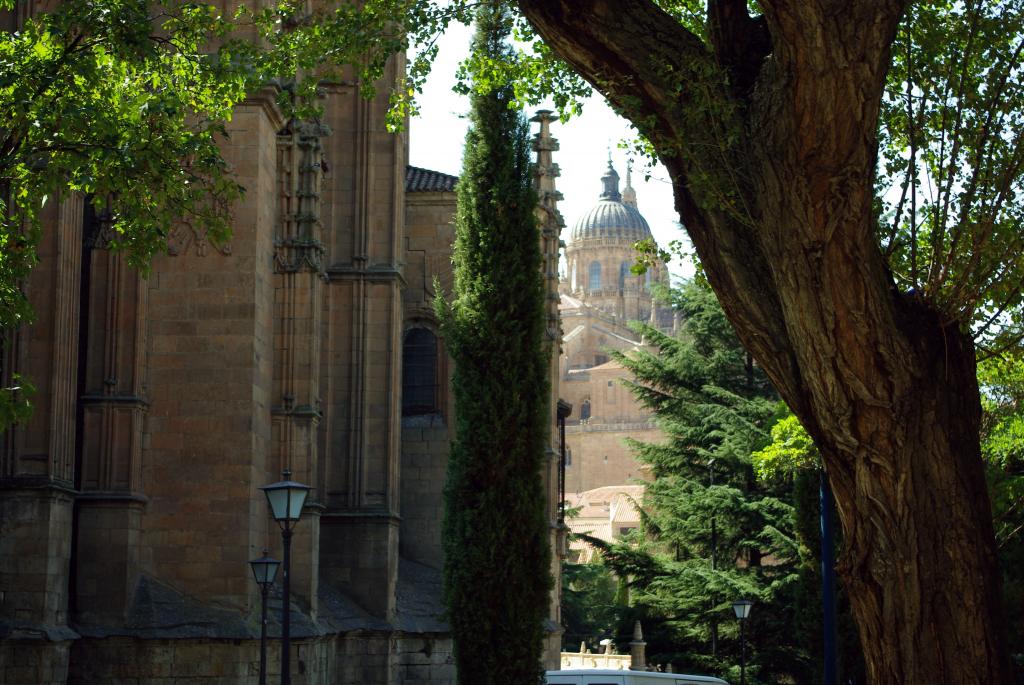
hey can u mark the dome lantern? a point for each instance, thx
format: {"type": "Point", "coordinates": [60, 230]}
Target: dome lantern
{"type": "Point", "coordinates": [611, 184]}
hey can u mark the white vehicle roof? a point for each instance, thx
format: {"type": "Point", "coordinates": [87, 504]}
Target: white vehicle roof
{"type": "Point", "coordinates": [609, 676]}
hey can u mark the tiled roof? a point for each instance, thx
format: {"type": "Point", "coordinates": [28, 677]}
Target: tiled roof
{"type": "Point", "coordinates": [610, 365]}
{"type": "Point", "coordinates": [604, 495]}
{"type": "Point", "coordinates": [610, 218]}
{"type": "Point", "coordinates": [419, 180]}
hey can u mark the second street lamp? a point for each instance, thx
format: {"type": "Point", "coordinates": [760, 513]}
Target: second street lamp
{"type": "Point", "coordinates": [264, 570]}
{"type": "Point", "coordinates": [286, 498]}
{"type": "Point", "coordinates": [742, 609]}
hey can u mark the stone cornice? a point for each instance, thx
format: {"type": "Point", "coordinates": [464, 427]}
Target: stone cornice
{"type": "Point", "coordinates": [266, 99]}
{"type": "Point", "coordinates": [378, 274]}
{"type": "Point", "coordinates": [112, 497]}
{"type": "Point", "coordinates": [37, 483]}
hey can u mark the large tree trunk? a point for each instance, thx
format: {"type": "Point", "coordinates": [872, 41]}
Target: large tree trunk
{"type": "Point", "coordinates": [770, 138]}
{"type": "Point", "coordinates": [920, 560]}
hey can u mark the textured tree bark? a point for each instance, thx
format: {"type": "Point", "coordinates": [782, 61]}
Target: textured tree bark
{"type": "Point", "coordinates": [770, 138]}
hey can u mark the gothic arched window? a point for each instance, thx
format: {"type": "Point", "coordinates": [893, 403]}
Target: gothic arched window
{"type": "Point", "coordinates": [623, 272]}
{"type": "Point", "coordinates": [595, 276]}
{"type": "Point", "coordinates": [419, 372]}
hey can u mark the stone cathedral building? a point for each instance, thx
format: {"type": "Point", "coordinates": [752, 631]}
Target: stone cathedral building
{"type": "Point", "coordinates": [600, 296]}
{"type": "Point", "coordinates": [130, 501]}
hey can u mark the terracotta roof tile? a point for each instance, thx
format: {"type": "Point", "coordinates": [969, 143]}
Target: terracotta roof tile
{"type": "Point", "coordinates": [419, 180]}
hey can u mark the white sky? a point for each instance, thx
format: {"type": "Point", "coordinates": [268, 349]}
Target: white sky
{"type": "Point", "coordinates": [436, 139]}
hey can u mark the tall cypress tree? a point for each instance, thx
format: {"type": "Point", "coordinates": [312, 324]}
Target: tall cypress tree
{"type": "Point", "coordinates": [497, 556]}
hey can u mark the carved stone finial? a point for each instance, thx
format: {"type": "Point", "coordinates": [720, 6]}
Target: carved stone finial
{"type": "Point", "coordinates": [638, 650]}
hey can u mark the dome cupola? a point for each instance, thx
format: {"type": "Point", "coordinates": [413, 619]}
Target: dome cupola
{"type": "Point", "coordinates": [611, 217]}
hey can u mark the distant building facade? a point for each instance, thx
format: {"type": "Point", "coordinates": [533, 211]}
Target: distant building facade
{"type": "Point", "coordinates": [130, 501]}
{"type": "Point", "coordinates": [600, 296]}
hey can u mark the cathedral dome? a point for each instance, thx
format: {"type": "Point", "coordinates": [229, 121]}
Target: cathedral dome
{"type": "Point", "coordinates": [612, 217]}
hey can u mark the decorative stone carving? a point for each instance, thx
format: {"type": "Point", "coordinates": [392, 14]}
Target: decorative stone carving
{"type": "Point", "coordinates": [297, 246]}
{"type": "Point", "coordinates": [185, 237]}
{"type": "Point", "coordinates": [292, 255]}
{"type": "Point", "coordinates": [100, 232]}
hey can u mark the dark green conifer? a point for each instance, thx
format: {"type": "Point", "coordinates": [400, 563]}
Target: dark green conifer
{"type": "Point", "coordinates": [709, 544]}
{"type": "Point", "coordinates": [497, 556]}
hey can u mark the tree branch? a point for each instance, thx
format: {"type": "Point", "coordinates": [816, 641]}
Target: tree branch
{"type": "Point", "coordinates": [774, 186]}
{"type": "Point", "coordinates": [740, 42]}
{"type": "Point", "coordinates": [666, 81]}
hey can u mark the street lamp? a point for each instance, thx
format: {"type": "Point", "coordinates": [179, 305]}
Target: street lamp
{"type": "Point", "coordinates": [286, 499]}
{"type": "Point", "coordinates": [714, 560]}
{"type": "Point", "coordinates": [742, 609]}
{"type": "Point", "coordinates": [265, 571]}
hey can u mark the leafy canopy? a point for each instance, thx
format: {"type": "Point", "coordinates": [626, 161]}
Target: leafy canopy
{"type": "Point", "coordinates": [124, 102]}
{"type": "Point", "coordinates": [952, 164]}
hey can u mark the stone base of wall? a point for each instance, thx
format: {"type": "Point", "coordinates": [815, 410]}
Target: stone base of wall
{"type": "Point", "coordinates": [34, 662]}
{"type": "Point", "coordinates": [133, 661]}
{"type": "Point", "coordinates": [422, 660]}
{"type": "Point", "coordinates": [353, 659]}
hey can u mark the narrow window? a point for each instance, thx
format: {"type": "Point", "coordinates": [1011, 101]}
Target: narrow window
{"type": "Point", "coordinates": [623, 272]}
{"type": "Point", "coordinates": [585, 410]}
{"type": "Point", "coordinates": [595, 275]}
{"type": "Point", "coordinates": [419, 372]}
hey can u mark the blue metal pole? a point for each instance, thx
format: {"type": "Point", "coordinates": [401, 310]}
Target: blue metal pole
{"type": "Point", "coordinates": [286, 608]}
{"type": "Point", "coordinates": [828, 582]}
{"type": "Point", "coordinates": [743, 653]}
{"type": "Point", "coordinates": [264, 588]}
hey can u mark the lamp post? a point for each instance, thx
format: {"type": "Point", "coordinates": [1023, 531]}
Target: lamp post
{"type": "Point", "coordinates": [286, 499]}
{"type": "Point", "coordinates": [265, 571]}
{"type": "Point", "coordinates": [714, 561]}
{"type": "Point", "coordinates": [742, 609]}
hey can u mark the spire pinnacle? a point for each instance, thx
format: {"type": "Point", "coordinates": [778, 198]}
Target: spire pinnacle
{"type": "Point", "coordinates": [628, 194]}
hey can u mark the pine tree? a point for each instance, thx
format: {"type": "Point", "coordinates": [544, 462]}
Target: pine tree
{"type": "Point", "coordinates": [497, 556]}
{"type": "Point", "coordinates": [710, 523]}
